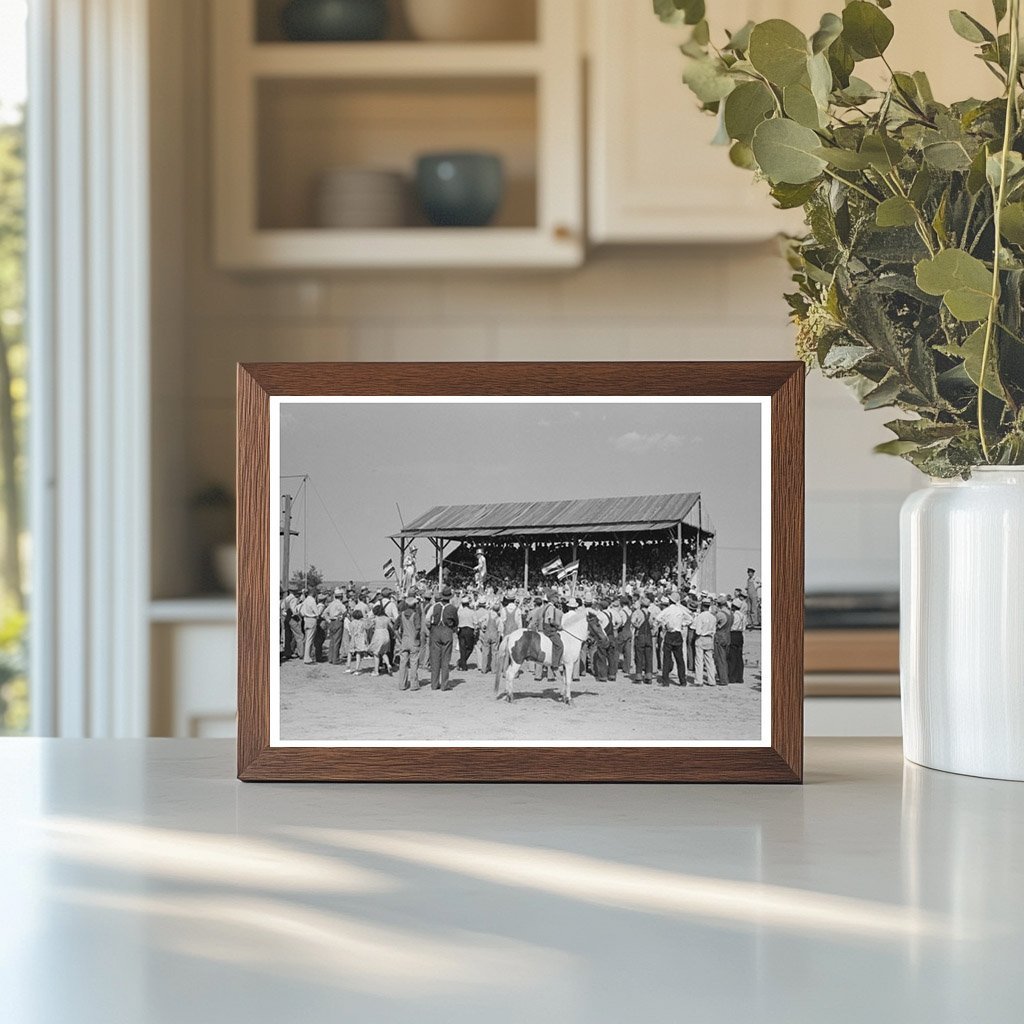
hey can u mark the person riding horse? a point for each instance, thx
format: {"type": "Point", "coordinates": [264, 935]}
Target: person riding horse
{"type": "Point", "coordinates": [551, 623]}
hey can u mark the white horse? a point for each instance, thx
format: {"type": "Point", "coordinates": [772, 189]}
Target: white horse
{"type": "Point", "coordinates": [531, 645]}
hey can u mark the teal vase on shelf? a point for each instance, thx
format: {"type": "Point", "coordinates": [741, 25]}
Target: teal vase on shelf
{"type": "Point", "coordinates": [331, 21]}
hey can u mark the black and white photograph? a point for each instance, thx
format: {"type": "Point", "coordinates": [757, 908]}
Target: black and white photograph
{"type": "Point", "coordinates": [573, 572]}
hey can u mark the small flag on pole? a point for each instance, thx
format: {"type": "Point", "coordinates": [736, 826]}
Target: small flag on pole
{"type": "Point", "coordinates": [547, 570]}
{"type": "Point", "coordinates": [389, 568]}
{"type": "Point", "coordinates": [568, 570]}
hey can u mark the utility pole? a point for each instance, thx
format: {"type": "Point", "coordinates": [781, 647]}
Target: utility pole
{"type": "Point", "coordinates": [286, 534]}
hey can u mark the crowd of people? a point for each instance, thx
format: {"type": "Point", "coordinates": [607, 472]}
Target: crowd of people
{"type": "Point", "coordinates": [644, 629]}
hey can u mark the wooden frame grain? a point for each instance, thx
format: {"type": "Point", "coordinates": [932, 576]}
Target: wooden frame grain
{"type": "Point", "coordinates": [782, 761]}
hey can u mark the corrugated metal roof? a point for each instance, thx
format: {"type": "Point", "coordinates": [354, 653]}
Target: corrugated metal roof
{"type": "Point", "coordinates": [594, 515]}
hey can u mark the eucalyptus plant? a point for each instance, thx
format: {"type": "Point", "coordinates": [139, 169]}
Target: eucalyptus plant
{"type": "Point", "coordinates": [909, 280]}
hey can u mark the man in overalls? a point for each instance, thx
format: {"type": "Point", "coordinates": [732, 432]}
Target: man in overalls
{"type": "Point", "coordinates": [643, 643]}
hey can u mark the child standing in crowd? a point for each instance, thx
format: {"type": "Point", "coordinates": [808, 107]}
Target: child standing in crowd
{"type": "Point", "coordinates": [355, 628]}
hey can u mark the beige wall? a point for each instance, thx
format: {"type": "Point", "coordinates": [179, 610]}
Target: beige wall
{"type": "Point", "coordinates": [663, 303]}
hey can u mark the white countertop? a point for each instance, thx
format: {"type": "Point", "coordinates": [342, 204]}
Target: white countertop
{"type": "Point", "coordinates": [143, 885]}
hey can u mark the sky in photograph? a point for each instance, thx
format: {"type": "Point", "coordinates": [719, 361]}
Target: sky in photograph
{"type": "Point", "coordinates": [362, 459]}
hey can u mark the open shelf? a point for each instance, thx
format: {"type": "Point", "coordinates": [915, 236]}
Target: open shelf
{"type": "Point", "coordinates": [306, 128]}
{"type": "Point", "coordinates": [286, 114]}
{"type": "Point", "coordinates": [520, 17]}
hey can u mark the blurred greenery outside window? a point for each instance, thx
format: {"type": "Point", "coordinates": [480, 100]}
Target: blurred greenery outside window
{"type": "Point", "coordinates": [14, 690]}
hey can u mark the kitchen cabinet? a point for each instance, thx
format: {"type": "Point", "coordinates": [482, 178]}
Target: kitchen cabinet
{"type": "Point", "coordinates": [286, 113]}
{"type": "Point", "coordinates": [653, 175]}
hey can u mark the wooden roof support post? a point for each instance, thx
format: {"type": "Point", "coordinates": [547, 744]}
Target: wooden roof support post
{"type": "Point", "coordinates": [679, 555]}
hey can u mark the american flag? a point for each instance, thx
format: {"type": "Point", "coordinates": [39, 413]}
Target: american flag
{"type": "Point", "coordinates": [389, 568]}
{"type": "Point", "coordinates": [547, 570]}
{"type": "Point", "coordinates": [568, 570]}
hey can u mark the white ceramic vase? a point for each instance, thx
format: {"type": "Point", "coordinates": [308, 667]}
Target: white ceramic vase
{"type": "Point", "coordinates": [962, 624]}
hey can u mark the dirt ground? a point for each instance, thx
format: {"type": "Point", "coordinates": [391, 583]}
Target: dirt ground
{"type": "Point", "coordinates": [323, 703]}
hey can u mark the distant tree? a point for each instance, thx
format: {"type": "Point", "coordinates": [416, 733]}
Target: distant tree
{"type": "Point", "coordinates": [309, 579]}
{"type": "Point", "coordinates": [13, 396]}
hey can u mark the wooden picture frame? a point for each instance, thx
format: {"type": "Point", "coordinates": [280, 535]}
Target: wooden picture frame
{"type": "Point", "coordinates": [779, 760]}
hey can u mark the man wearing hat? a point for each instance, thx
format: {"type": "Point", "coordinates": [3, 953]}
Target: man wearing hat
{"type": "Point", "coordinates": [643, 642]}
{"type": "Point", "coordinates": [704, 625]}
{"type": "Point", "coordinates": [309, 610]}
{"type": "Point", "coordinates": [723, 637]}
{"type": "Point", "coordinates": [334, 623]}
{"type": "Point", "coordinates": [550, 624]}
{"type": "Point", "coordinates": [489, 631]}
{"type": "Point", "coordinates": [753, 599]}
{"type": "Point", "coordinates": [674, 619]}
{"type": "Point", "coordinates": [444, 621]}
{"type": "Point", "coordinates": [600, 660]}
{"type": "Point", "coordinates": [481, 567]}
{"type": "Point", "coordinates": [293, 601]}
{"type": "Point", "coordinates": [735, 654]}
{"type": "Point", "coordinates": [410, 627]}
{"type": "Point", "coordinates": [467, 632]}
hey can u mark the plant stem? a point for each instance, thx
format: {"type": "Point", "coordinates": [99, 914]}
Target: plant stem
{"type": "Point", "coordinates": [993, 309]}
{"type": "Point", "coordinates": [856, 188]}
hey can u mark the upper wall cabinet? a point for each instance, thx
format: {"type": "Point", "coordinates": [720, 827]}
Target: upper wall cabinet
{"type": "Point", "coordinates": [654, 175]}
{"type": "Point", "coordinates": [316, 142]}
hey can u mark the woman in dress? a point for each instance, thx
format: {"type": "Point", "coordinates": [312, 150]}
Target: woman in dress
{"type": "Point", "coordinates": [380, 642]}
{"type": "Point", "coordinates": [355, 635]}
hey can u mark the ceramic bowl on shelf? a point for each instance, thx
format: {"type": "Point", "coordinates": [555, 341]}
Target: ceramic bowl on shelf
{"type": "Point", "coordinates": [471, 20]}
{"type": "Point", "coordinates": [460, 189]}
{"type": "Point", "coordinates": [332, 21]}
{"type": "Point", "coordinates": [361, 198]}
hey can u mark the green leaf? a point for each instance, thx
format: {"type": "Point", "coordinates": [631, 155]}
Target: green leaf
{"type": "Point", "coordinates": [820, 76]}
{"type": "Point", "coordinates": [1014, 169]}
{"type": "Point", "coordinates": [789, 197]}
{"type": "Point", "coordinates": [739, 41]}
{"type": "Point", "coordinates": [896, 212]}
{"type": "Point", "coordinates": [963, 281]}
{"type": "Point", "coordinates": [841, 60]}
{"type": "Point", "coordinates": [829, 30]}
{"type": "Point", "coordinates": [741, 155]}
{"type": "Point", "coordinates": [745, 108]}
{"type": "Point", "coordinates": [866, 29]}
{"type": "Point", "coordinates": [971, 352]}
{"type": "Point", "coordinates": [884, 395]}
{"type": "Point", "coordinates": [976, 173]}
{"type": "Point", "coordinates": [924, 87]}
{"type": "Point", "coordinates": [778, 50]}
{"type": "Point", "coordinates": [785, 152]}
{"type": "Point", "coordinates": [969, 28]}
{"type": "Point", "coordinates": [947, 156]}
{"type": "Point", "coordinates": [1012, 226]}
{"type": "Point", "coordinates": [883, 153]}
{"type": "Point", "coordinates": [895, 447]}
{"type": "Point", "coordinates": [679, 12]}
{"type": "Point", "coordinates": [844, 159]}
{"type": "Point", "coordinates": [708, 80]}
{"type": "Point", "coordinates": [800, 105]}
{"type": "Point", "coordinates": [999, 7]}
{"type": "Point", "coordinates": [921, 185]}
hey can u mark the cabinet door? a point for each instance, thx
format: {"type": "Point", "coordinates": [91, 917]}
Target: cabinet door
{"type": "Point", "coordinates": [653, 174]}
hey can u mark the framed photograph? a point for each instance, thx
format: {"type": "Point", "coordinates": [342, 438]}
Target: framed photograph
{"type": "Point", "coordinates": [504, 572]}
